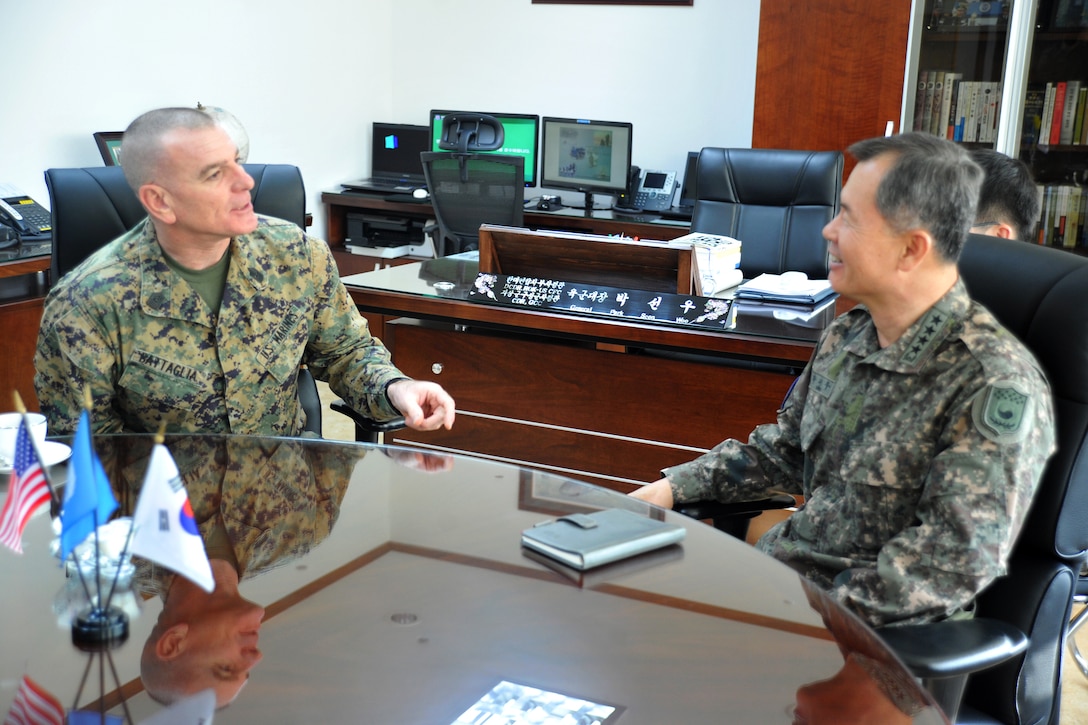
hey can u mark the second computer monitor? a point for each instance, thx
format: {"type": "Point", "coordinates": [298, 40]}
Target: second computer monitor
{"type": "Point", "coordinates": [587, 156]}
{"type": "Point", "coordinates": [521, 132]}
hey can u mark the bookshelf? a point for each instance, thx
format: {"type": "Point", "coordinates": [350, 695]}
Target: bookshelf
{"type": "Point", "coordinates": [1013, 76]}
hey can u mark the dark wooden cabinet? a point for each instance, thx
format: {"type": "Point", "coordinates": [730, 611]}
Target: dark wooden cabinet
{"type": "Point", "coordinates": [19, 321]}
{"type": "Point", "coordinates": [610, 416]}
{"type": "Point", "coordinates": [339, 204]}
{"type": "Point", "coordinates": [23, 283]}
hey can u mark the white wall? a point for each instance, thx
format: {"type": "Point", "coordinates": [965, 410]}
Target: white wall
{"type": "Point", "coordinates": [307, 79]}
{"type": "Point", "coordinates": [693, 82]}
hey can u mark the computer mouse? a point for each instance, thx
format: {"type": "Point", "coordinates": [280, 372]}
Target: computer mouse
{"type": "Point", "coordinates": [420, 193]}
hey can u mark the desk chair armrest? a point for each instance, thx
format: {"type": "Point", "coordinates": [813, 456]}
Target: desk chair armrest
{"type": "Point", "coordinates": [943, 654]}
{"type": "Point", "coordinates": [367, 429]}
{"type": "Point", "coordinates": [733, 518]}
{"type": "Point", "coordinates": [954, 647]}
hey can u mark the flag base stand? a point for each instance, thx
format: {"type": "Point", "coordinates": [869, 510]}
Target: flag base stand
{"type": "Point", "coordinates": [97, 627]}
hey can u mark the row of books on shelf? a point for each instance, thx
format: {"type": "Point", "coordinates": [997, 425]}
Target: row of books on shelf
{"type": "Point", "coordinates": [1064, 217]}
{"type": "Point", "coordinates": [1054, 114]}
{"type": "Point", "coordinates": [946, 105]}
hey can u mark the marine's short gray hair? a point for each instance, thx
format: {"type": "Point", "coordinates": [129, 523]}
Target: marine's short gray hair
{"type": "Point", "coordinates": [141, 144]}
{"type": "Point", "coordinates": [932, 184]}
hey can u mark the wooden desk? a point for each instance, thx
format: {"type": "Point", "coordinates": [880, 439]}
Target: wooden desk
{"type": "Point", "coordinates": [24, 272]}
{"type": "Point", "coordinates": [395, 595]}
{"type": "Point", "coordinates": [605, 400]}
{"type": "Point", "coordinates": [339, 204]}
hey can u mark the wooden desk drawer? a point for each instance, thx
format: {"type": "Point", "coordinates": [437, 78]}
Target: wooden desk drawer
{"type": "Point", "coordinates": [567, 404]}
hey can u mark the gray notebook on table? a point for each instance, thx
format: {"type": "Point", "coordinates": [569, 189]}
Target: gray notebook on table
{"type": "Point", "coordinates": [584, 541]}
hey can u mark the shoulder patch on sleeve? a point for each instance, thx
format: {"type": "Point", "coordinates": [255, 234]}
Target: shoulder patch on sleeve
{"type": "Point", "coordinates": [1003, 413]}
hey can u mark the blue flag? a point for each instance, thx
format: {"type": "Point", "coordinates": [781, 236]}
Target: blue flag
{"type": "Point", "coordinates": [88, 498]}
{"type": "Point", "coordinates": [93, 717]}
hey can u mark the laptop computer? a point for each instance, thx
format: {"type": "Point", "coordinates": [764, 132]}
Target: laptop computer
{"type": "Point", "coordinates": [395, 167]}
{"type": "Point", "coordinates": [686, 203]}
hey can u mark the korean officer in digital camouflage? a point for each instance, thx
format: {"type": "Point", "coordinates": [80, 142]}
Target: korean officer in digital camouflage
{"type": "Point", "coordinates": [919, 430]}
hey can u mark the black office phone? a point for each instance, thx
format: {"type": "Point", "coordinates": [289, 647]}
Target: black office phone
{"type": "Point", "coordinates": [27, 217]}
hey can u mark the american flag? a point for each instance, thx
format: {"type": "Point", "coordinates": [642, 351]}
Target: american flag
{"type": "Point", "coordinates": [34, 706]}
{"type": "Point", "coordinates": [27, 491]}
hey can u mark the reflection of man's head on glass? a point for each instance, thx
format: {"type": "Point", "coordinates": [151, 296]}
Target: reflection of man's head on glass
{"type": "Point", "coordinates": [291, 495]}
{"type": "Point", "coordinates": [202, 641]}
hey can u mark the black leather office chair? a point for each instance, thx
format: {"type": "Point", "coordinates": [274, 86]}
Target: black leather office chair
{"type": "Point", "coordinates": [92, 206]}
{"type": "Point", "coordinates": [95, 205]}
{"type": "Point", "coordinates": [469, 188]}
{"type": "Point", "coordinates": [1041, 296]}
{"type": "Point", "coordinates": [776, 202]}
{"type": "Point", "coordinates": [1007, 661]}
{"type": "Point", "coordinates": [367, 430]}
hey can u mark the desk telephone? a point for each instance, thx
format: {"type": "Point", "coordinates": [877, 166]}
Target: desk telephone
{"type": "Point", "coordinates": [27, 217]}
{"type": "Point", "coordinates": [655, 190]}
{"type": "Point", "coordinates": [648, 190]}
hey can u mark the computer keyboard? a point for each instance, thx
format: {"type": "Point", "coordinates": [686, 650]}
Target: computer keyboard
{"type": "Point", "coordinates": [644, 218]}
{"type": "Point", "coordinates": [681, 213]}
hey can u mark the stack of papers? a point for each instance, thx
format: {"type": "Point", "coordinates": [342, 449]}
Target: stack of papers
{"type": "Point", "coordinates": [789, 288]}
{"type": "Point", "coordinates": [382, 252]}
{"type": "Point", "coordinates": [717, 261]}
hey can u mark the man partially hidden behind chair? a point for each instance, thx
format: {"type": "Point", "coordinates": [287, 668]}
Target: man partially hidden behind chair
{"type": "Point", "coordinates": [1008, 203]}
{"type": "Point", "coordinates": [200, 316]}
{"type": "Point", "coordinates": [919, 430]}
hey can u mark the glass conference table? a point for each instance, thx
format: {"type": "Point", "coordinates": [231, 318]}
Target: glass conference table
{"type": "Point", "coordinates": [386, 585]}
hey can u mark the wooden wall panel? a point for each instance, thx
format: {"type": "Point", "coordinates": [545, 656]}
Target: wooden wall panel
{"type": "Point", "coordinates": [828, 73]}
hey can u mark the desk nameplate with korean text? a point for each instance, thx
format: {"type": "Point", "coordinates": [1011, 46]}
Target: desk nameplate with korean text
{"type": "Point", "coordinates": [580, 298]}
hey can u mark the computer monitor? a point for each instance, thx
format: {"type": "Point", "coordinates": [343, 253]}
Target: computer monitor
{"type": "Point", "coordinates": [521, 137]}
{"type": "Point", "coordinates": [587, 156]}
{"type": "Point", "coordinates": [395, 150]}
{"type": "Point", "coordinates": [688, 193]}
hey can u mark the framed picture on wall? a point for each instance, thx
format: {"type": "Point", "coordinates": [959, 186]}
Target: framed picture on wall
{"type": "Point", "coordinates": [613, 2]}
{"type": "Point", "coordinates": [109, 145]}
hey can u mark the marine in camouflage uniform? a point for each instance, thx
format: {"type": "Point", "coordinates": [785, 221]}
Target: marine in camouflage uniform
{"type": "Point", "coordinates": [917, 462]}
{"type": "Point", "coordinates": [129, 328]}
{"type": "Point", "coordinates": [273, 503]}
{"type": "Point", "coordinates": [259, 503]}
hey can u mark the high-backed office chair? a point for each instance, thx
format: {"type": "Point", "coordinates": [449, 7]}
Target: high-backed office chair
{"type": "Point", "coordinates": [469, 188]}
{"type": "Point", "coordinates": [92, 206]}
{"type": "Point", "coordinates": [1007, 661]}
{"type": "Point", "coordinates": [776, 202]}
{"type": "Point", "coordinates": [1041, 296]}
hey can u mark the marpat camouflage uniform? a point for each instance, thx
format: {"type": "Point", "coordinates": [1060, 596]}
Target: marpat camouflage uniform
{"type": "Point", "coordinates": [917, 462]}
{"type": "Point", "coordinates": [124, 324]}
{"type": "Point", "coordinates": [259, 502]}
